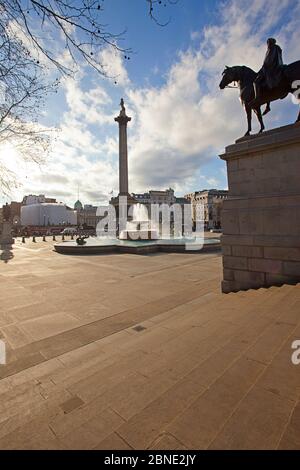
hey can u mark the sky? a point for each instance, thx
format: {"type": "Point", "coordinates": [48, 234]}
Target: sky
{"type": "Point", "coordinates": [181, 120]}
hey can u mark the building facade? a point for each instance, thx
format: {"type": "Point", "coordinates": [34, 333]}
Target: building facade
{"type": "Point", "coordinates": [156, 197]}
{"type": "Point", "coordinates": [42, 211]}
{"type": "Point", "coordinates": [166, 197]}
{"type": "Point", "coordinates": [15, 213]}
{"type": "Point", "coordinates": [47, 214]}
{"type": "Point", "coordinates": [86, 215]}
{"type": "Point", "coordinates": [212, 202]}
{"type": "Point", "coordinates": [40, 199]}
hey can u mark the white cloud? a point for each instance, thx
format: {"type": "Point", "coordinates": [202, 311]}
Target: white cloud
{"type": "Point", "coordinates": [177, 129]}
{"type": "Point", "coordinates": [88, 107]}
{"type": "Point", "coordinates": [213, 182]}
{"type": "Point", "coordinates": [78, 156]}
{"type": "Point", "coordinates": [184, 124]}
{"type": "Point", "coordinates": [195, 35]}
{"type": "Point", "coordinates": [113, 65]}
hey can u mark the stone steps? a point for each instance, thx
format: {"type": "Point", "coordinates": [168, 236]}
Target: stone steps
{"type": "Point", "coordinates": [184, 379]}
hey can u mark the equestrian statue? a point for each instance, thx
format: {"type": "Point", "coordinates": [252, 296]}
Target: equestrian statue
{"type": "Point", "coordinates": [273, 82]}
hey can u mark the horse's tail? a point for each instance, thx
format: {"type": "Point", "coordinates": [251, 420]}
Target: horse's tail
{"type": "Point", "coordinates": [292, 71]}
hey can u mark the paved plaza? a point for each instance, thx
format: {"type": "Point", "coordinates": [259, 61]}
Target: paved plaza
{"type": "Point", "coordinates": [136, 352]}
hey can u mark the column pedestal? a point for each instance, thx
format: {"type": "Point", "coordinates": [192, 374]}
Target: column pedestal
{"type": "Point", "coordinates": [6, 236]}
{"type": "Point", "coordinates": [261, 217]}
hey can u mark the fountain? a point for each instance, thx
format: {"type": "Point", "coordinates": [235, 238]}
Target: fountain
{"type": "Point", "coordinates": [138, 234]}
{"type": "Point", "coordinates": [141, 227]}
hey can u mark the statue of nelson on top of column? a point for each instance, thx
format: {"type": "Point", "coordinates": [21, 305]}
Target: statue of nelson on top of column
{"type": "Point", "coordinates": [123, 110]}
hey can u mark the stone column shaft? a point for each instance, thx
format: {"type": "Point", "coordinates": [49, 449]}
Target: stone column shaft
{"type": "Point", "coordinates": [123, 154]}
{"type": "Point", "coordinates": [123, 159]}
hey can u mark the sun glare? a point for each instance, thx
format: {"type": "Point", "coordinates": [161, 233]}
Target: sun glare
{"type": "Point", "coordinates": [10, 158]}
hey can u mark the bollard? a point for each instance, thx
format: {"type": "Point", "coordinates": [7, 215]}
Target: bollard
{"type": "Point", "coordinates": [63, 237]}
{"type": "Point", "coordinates": [33, 239]}
{"type": "Point", "coordinates": [72, 237]}
{"type": "Point", "coordinates": [54, 238]}
{"type": "Point", "coordinates": [44, 238]}
{"type": "Point", "coordinates": [23, 239]}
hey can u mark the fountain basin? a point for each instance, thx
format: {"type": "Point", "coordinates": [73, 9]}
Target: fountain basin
{"type": "Point", "coordinates": [139, 235]}
{"type": "Point", "coordinates": [96, 245]}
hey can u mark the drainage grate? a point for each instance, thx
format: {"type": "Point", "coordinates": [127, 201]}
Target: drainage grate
{"type": "Point", "coordinates": [71, 404]}
{"type": "Point", "coordinates": [139, 328]}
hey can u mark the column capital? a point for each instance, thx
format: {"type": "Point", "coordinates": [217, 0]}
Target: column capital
{"type": "Point", "coordinates": [122, 120]}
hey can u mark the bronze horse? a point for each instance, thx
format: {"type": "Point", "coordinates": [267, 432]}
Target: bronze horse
{"type": "Point", "coordinates": [245, 77]}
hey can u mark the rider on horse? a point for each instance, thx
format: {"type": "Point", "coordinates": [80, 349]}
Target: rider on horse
{"type": "Point", "coordinates": [270, 74]}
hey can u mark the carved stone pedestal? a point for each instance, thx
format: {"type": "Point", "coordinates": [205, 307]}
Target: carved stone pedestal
{"type": "Point", "coordinates": [6, 236]}
{"type": "Point", "coordinates": [261, 218]}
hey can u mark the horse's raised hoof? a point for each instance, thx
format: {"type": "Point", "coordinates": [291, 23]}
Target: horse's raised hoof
{"type": "Point", "coordinates": [266, 111]}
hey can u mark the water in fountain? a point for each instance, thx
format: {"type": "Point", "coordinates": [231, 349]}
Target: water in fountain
{"type": "Point", "coordinates": [141, 227]}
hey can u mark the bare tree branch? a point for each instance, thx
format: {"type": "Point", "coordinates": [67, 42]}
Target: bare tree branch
{"type": "Point", "coordinates": [155, 3]}
{"type": "Point", "coordinates": [77, 22]}
{"type": "Point", "coordinates": [31, 32]}
{"type": "Point", "coordinates": [22, 92]}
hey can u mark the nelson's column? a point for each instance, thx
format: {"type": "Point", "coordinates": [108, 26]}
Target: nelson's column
{"type": "Point", "coordinates": [122, 120]}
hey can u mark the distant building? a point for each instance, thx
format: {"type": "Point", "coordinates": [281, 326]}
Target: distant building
{"type": "Point", "coordinates": [212, 200]}
{"type": "Point", "coordinates": [41, 211]}
{"type": "Point", "coordinates": [86, 215]}
{"type": "Point", "coordinates": [33, 199]}
{"type": "Point", "coordinates": [15, 214]}
{"type": "Point", "coordinates": [47, 214]}
{"type": "Point", "coordinates": [161, 197]}
{"type": "Point", "coordinates": [156, 197]}
{"type": "Point", "coordinates": [182, 201]}
{"type": "Point", "coordinates": [78, 206]}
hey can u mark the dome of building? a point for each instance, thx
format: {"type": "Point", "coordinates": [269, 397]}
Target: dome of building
{"type": "Point", "coordinates": [78, 206]}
